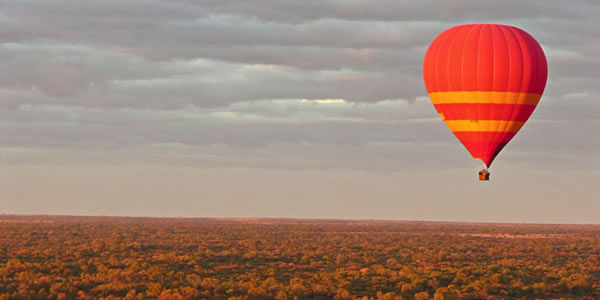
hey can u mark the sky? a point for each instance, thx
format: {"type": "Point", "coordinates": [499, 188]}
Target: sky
{"type": "Point", "coordinates": [277, 108]}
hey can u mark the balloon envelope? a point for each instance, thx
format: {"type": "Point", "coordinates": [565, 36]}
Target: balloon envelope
{"type": "Point", "coordinates": [485, 80]}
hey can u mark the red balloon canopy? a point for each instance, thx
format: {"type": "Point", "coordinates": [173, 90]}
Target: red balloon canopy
{"type": "Point", "coordinates": [485, 80]}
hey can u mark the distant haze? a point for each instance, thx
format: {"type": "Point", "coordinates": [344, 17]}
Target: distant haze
{"type": "Point", "coordinates": [272, 108]}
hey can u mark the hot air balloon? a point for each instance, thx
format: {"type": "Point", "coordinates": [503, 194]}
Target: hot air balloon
{"type": "Point", "coordinates": [485, 80]}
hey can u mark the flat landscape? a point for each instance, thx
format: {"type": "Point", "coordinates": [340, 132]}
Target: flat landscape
{"type": "Point", "coordinates": [63, 257]}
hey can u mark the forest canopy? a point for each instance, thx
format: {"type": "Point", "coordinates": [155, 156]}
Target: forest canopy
{"type": "Point", "coordinates": [59, 257]}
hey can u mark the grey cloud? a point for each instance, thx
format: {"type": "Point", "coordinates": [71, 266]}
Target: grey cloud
{"type": "Point", "coordinates": [227, 30]}
{"type": "Point", "coordinates": [66, 71]}
{"type": "Point", "coordinates": [249, 124]}
{"type": "Point", "coordinates": [90, 21]}
{"type": "Point", "coordinates": [247, 134]}
{"type": "Point", "coordinates": [575, 107]}
{"type": "Point", "coordinates": [452, 10]}
{"type": "Point", "coordinates": [160, 43]}
{"type": "Point", "coordinates": [119, 74]}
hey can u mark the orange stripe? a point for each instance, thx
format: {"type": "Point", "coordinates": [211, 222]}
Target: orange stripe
{"type": "Point", "coordinates": [484, 97]}
{"type": "Point", "coordinates": [484, 125]}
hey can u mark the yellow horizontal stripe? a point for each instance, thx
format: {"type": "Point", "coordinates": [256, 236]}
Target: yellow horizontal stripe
{"type": "Point", "coordinates": [484, 97]}
{"type": "Point", "coordinates": [484, 125]}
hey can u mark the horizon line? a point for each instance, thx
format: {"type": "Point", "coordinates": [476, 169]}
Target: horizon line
{"type": "Point", "coordinates": [254, 218]}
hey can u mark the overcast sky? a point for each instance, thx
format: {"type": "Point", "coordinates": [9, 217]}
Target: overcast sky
{"type": "Point", "coordinates": [276, 108]}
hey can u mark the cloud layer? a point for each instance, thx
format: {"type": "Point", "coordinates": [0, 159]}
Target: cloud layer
{"type": "Point", "coordinates": [271, 84]}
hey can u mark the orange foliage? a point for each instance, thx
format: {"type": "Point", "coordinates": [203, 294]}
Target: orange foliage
{"type": "Point", "coordinates": [141, 258]}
